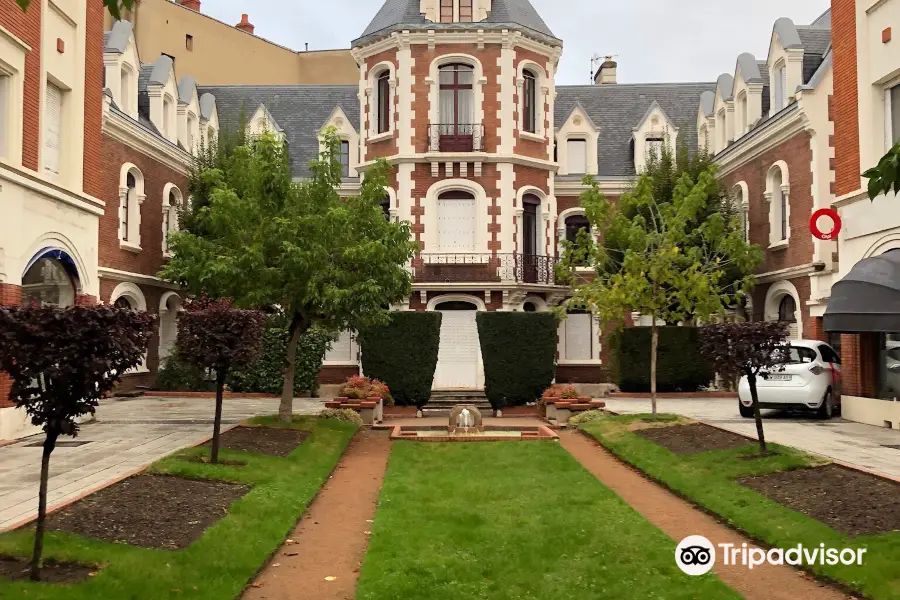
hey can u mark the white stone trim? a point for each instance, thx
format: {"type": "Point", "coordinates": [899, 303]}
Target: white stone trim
{"type": "Point", "coordinates": [371, 92]}
{"type": "Point", "coordinates": [122, 128]}
{"type": "Point", "coordinates": [131, 291]}
{"type": "Point", "coordinates": [544, 215]}
{"type": "Point", "coordinates": [172, 212]}
{"type": "Point", "coordinates": [470, 299]}
{"type": "Point", "coordinates": [433, 82]}
{"type": "Point", "coordinates": [774, 294]}
{"type": "Point", "coordinates": [578, 125]}
{"type": "Point", "coordinates": [133, 243]}
{"type": "Point", "coordinates": [775, 238]}
{"type": "Point", "coordinates": [59, 241]}
{"type": "Point", "coordinates": [539, 99]}
{"type": "Point", "coordinates": [346, 132]}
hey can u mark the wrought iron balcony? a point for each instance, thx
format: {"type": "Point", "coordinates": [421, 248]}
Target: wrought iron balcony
{"type": "Point", "coordinates": [484, 268]}
{"type": "Point", "coordinates": [452, 137]}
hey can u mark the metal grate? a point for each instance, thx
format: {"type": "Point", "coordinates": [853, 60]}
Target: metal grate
{"type": "Point", "coordinates": [64, 444]}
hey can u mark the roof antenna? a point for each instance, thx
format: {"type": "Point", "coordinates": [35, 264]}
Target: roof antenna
{"type": "Point", "coordinates": [306, 45]}
{"type": "Point", "coordinates": [599, 58]}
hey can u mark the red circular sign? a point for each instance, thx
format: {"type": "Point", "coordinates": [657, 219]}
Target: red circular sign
{"type": "Point", "coordinates": [814, 224]}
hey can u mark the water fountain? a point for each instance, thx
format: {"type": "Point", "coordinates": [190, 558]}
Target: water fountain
{"type": "Point", "coordinates": [466, 424]}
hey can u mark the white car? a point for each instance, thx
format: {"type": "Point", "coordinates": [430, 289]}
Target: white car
{"type": "Point", "coordinates": [892, 375]}
{"type": "Point", "coordinates": [808, 379]}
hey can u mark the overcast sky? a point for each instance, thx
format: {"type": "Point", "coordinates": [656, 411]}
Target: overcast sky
{"type": "Point", "coordinates": [655, 40]}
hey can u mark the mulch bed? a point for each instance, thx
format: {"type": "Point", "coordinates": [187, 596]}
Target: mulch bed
{"type": "Point", "coordinates": [51, 571]}
{"type": "Point", "coordinates": [847, 500]}
{"type": "Point", "coordinates": [690, 439]}
{"type": "Point", "coordinates": [151, 511]}
{"type": "Point", "coordinates": [262, 440]}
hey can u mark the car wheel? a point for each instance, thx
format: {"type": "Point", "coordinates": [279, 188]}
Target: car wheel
{"type": "Point", "coordinates": [746, 411]}
{"type": "Point", "coordinates": [826, 411]}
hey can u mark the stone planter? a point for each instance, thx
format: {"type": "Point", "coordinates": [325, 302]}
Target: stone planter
{"type": "Point", "coordinates": [379, 409]}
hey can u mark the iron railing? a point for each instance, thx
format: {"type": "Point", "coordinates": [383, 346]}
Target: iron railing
{"type": "Point", "coordinates": [453, 137]}
{"type": "Point", "coordinates": [485, 268]}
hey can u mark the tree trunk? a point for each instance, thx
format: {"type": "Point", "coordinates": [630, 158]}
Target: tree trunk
{"type": "Point", "coordinates": [298, 327]}
{"type": "Point", "coordinates": [49, 446]}
{"type": "Point", "coordinates": [751, 379]}
{"type": "Point", "coordinates": [217, 424]}
{"type": "Point", "coordinates": [654, 344]}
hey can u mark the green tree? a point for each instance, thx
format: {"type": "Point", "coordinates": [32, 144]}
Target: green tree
{"type": "Point", "coordinates": [885, 176]}
{"type": "Point", "coordinates": [113, 6]}
{"type": "Point", "coordinates": [267, 241]}
{"type": "Point", "coordinates": [667, 258]}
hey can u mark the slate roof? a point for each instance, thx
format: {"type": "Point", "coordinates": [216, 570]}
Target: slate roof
{"type": "Point", "coordinates": [616, 109]}
{"type": "Point", "coordinates": [816, 41]}
{"type": "Point", "coordinates": [301, 110]}
{"type": "Point", "coordinates": [404, 14]}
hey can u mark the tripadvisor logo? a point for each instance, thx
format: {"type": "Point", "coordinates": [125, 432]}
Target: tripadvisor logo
{"type": "Point", "coordinates": [696, 555]}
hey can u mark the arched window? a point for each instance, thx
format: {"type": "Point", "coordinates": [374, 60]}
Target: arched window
{"type": "Point", "coordinates": [529, 102]}
{"type": "Point", "coordinates": [128, 199]}
{"type": "Point", "coordinates": [704, 138]}
{"type": "Point", "coordinates": [168, 116]}
{"type": "Point", "coordinates": [191, 122]}
{"type": "Point", "coordinates": [51, 280]}
{"type": "Point", "coordinates": [574, 224]}
{"type": "Point", "coordinates": [779, 87]}
{"type": "Point", "coordinates": [721, 129]}
{"type": "Point", "coordinates": [787, 309]}
{"type": "Point", "coordinates": [457, 107]}
{"type": "Point", "coordinates": [384, 98]}
{"type": "Point", "coordinates": [742, 210]}
{"type": "Point", "coordinates": [171, 208]}
{"type": "Point", "coordinates": [124, 303]}
{"type": "Point", "coordinates": [456, 220]}
{"type": "Point", "coordinates": [779, 202]}
{"type": "Point", "coordinates": [743, 115]}
{"type": "Point", "coordinates": [125, 92]}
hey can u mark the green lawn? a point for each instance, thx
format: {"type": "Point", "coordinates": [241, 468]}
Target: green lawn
{"type": "Point", "coordinates": [226, 557]}
{"type": "Point", "coordinates": [708, 480]}
{"type": "Point", "coordinates": [513, 520]}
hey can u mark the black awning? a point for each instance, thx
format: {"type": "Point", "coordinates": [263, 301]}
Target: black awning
{"type": "Point", "coordinates": [868, 298]}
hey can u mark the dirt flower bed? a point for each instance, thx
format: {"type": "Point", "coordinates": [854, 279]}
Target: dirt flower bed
{"type": "Point", "coordinates": [847, 500]}
{"type": "Point", "coordinates": [151, 511]}
{"type": "Point", "coordinates": [263, 440]}
{"type": "Point", "coordinates": [693, 438]}
{"type": "Point", "coordinates": [51, 571]}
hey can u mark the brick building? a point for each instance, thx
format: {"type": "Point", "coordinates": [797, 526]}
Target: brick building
{"type": "Point", "coordinates": [864, 299]}
{"type": "Point", "coordinates": [489, 154]}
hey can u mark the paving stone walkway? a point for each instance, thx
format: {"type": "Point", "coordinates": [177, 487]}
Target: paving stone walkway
{"type": "Point", "coordinates": [127, 436]}
{"type": "Point", "coordinates": [861, 445]}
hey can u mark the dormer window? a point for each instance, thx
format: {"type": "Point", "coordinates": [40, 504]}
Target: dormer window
{"type": "Point", "coordinates": [168, 116]}
{"type": "Point", "coordinates": [345, 158]}
{"type": "Point", "coordinates": [654, 147]}
{"type": "Point", "coordinates": [576, 151]}
{"type": "Point", "coordinates": [126, 83]}
{"type": "Point", "coordinates": [742, 115]}
{"type": "Point", "coordinates": [465, 11]}
{"type": "Point", "coordinates": [779, 88]}
{"type": "Point", "coordinates": [456, 11]}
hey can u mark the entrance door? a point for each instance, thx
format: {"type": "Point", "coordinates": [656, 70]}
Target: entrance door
{"type": "Point", "coordinates": [530, 239]}
{"type": "Point", "coordinates": [459, 356]}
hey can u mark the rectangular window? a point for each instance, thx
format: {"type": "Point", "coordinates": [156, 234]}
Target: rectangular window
{"type": "Point", "coordinates": [890, 366]}
{"type": "Point", "coordinates": [465, 11]}
{"type": "Point", "coordinates": [384, 106]}
{"type": "Point", "coordinates": [893, 102]}
{"type": "Point", "coordinates": [52, 129]}
{"type": "Point", "coordinates": [654, 147]}
{"type": "Point", "coordinates": [577, 156]}
{"type": "Point", "coordinates": [189, 42]}
{"type": "Point", "coordinates": [778, 95]}
{"type": "Point", "coordinates": [446, 11]}
{"type": "Point", "coordinates": [528, 105]}
{"type": "Point", "coordinates": [345, 158]}
{"type": "Point", "coordinates": [5, 102]}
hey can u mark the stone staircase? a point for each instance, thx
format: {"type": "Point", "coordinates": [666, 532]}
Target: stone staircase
{"type": "Point", "coordinates": [443, 401]}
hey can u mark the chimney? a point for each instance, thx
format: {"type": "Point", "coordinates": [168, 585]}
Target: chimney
{"type": "Point", "coordinates": [191, 4]}
{"type": "Point", "coordinates": [606, 73]}
{"type": "Point", "coordinates": [245, 24]}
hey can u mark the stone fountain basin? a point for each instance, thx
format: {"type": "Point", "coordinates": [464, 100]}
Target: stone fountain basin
{"type": "Point", "coordinates": [491, 433]}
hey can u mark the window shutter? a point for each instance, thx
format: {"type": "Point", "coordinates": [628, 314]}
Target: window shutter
{"type": "Point", "coordinates": [577, 150]}
{"type": "Point", "coordinates": [578, 337]}
{"type": "Point", "coordinates": [52, 115]}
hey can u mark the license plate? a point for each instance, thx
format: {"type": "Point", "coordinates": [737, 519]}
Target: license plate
{"type": "Point", "coordinates": [778, 377]}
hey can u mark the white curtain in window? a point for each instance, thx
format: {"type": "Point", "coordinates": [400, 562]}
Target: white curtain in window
{"type": "Point", "coordinates": [466, 106]}
{"type": "Point", "coordinates": [578, 337]}
{"type": "Point", "coordinates": [577, 155]}
{"type": "Point", "coordinates": [448, 106]}
{"type": "Point", "coordinates": [52, 116]}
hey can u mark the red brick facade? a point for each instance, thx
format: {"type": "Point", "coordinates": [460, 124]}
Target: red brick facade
{"type": "Point", "coordinates": [27, 27]}
{"type": "Point", "coordinates": [846, 96]}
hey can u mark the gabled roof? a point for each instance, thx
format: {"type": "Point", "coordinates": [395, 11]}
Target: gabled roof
{"type": "Point", "coordinates": [708, 103]}
{"type": "Point", "coordinates": [299, 110]}
{"type": "Point", "coordinates": [749, 68]}
{"type": "Point", "coordinates": [160, 70]}
{"type": "Point", "coordinates": [186, 88]}
{"type": "Point", "coordinates": [265, 111]}
{"type": "Point", "coordinates": [578, 106]}
{"type": "Point", "coordinates": [725, 86]}
{"type": "Point", "coordinates": [116, 39]}
{"type": "Point", "coordinates": [395, 15]}
{"type": "Point", "coordinates": [787, 33]}
{"type": "Point", "coordinates": [207, 106]}
{"type": "Point", "coordinates": [616, 109]}
{"type": "Point", "coordinates": [653, 108]}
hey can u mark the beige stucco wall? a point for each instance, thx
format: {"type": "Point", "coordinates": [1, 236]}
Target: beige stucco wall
{"type": "Point", "coordinates": [223, 54]}
{"type": "Point", "coordinates": [871, 411]}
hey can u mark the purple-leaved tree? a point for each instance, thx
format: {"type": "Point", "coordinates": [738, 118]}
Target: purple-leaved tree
{"type": "Point", "coordinates": [63, 361]}
{"type": "Point", "coordinates": [745, 349]}
{"type": "Point", "coordinates": [213, 334]}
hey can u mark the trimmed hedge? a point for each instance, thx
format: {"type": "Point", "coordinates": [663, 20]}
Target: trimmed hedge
{"type": "Point", "coordinates": [266, 376]}
{"type": "Point", "coordinates": [403, 354]}
{"type": "Point", "coordinates": [519, 354]}
{"type": "Point", "coordinates": [680, 364]}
